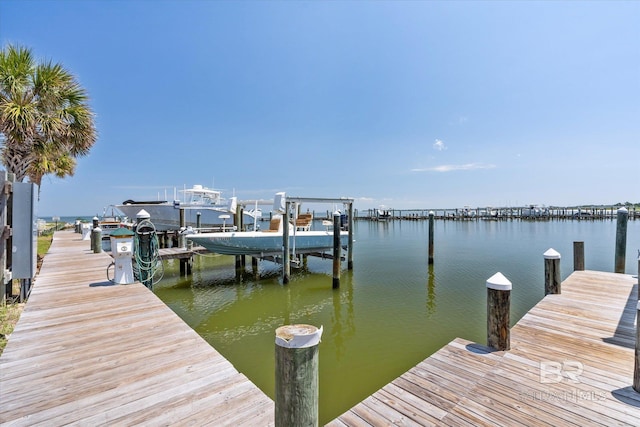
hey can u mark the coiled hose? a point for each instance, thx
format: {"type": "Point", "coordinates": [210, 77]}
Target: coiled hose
{"type": "Point", "coordinates": [148, 267]}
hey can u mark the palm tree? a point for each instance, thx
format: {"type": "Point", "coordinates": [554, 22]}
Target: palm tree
{"type": "Point", "coordinates": [45, 119]}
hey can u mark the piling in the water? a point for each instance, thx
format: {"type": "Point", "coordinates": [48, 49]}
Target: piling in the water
{"type": "Point", "coordinates": [286, 261]}
{"type": "Point", "coordinates": [498, 308]}
{"type": "Point", "coordinates": [552, 280]}
{"type": "Point", "coordinates": [181, 239]}
{"type": "Point", "coordinates": [578, 256]}
{"type": "Point", "coordinates": [336, 250]}
{"type": "Point", "coordinates": [254, 268]}
{"type": "Point", "coordinates": [350, 244]}
{"type": "Point", "coordinates": [296, 400]}
{"type": "Point", "coordinates": [621, 239]}
{"type": "Point", "coordinates": [431, 223]}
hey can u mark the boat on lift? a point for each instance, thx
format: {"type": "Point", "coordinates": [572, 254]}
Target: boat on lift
{"type": "Point", "coordinates": [270, 242]}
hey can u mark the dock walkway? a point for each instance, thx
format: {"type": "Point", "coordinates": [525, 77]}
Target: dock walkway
{"type": "Point", "coordinates": [89, 352]}
{"type": "Point", "coordinates": [571, 363]}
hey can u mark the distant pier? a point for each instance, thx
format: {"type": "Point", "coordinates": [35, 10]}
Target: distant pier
{"type": "Point", "coordinates": [496, 214]}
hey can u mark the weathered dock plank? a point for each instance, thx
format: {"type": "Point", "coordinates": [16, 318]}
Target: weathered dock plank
{"type": "Point", "coordinates": [570, 363]}
{"type": "Point", "coordinates": [89, 352]}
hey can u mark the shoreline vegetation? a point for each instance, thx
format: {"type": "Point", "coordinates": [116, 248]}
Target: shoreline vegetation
{"type": "Point", "coordinates": [10, 311]}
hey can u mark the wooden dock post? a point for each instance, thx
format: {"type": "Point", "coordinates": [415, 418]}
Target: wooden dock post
{"type": "Point", "coordinates": [350, 245]}
{"type": "Point", "coordinates": [621, 240]}
{"type": "Point", "coordinates": [498, 308]}
{"type": "Point", "coordinates": [296, 400]}
{"type": "Point", "coordinates": [578, 256]}
{"type": "Point", "coordinates": [636, 369]}
{"type": "Point", "coordinates": [186, 266]}
{"type": "Point", "coordinates": [552, 281]}
{"type": "Point", "coordinates": [182, 241]}
{"type": "Point", "coordinates": [336, 250]}
{"type": "Point", "coordinates": [254, 268]}
{"type": "Point", "coordinates": [239, 268]}
{"type": "Point", "coordinates": [96, 240]}
{"type": "Point", "coordinates": [431, 217]}
{"type": "Point", "coordinates": [286, 261]}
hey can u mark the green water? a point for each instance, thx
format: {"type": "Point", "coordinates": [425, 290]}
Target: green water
{"type": "Point", "coordinates": [392, 310]}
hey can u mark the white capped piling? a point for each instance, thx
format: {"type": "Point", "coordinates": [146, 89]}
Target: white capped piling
{"type": "Point", "coordinates": [621, 239]}
{"type": "Point", "coordinates": [296, 400]}
{"type": "Point", "coordinates": [636, 370]}
{"type": "Point", "coordinates": [336, 250]}
{"type": "Point", "coordinates": [431, 222]}
{"type": "Point", "coordinates": [578, 256]}
{"type": "Point", "coordinates": [498, 308]}
{"type": "Point", "coordinates": [552, 281]}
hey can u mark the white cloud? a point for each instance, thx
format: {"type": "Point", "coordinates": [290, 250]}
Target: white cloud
{"type": "Point", "coordinates": [451, 168]}
{"type": "Point", "coordinates": [439, 145]}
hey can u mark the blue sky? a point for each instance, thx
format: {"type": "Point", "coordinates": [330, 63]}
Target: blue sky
{"type": "Point", "coordinates": [407, 104]}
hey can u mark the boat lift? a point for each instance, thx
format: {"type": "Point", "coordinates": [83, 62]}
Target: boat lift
{"type": "Point", "coordinates": [289, 201]}
{"type": "Point", "coordinates": [283, 204]}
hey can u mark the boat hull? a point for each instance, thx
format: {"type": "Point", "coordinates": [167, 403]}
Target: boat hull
{"type": "Point", "coordinates": [167, 216]}
{"type": "Point", "coordinates": [266, 243]}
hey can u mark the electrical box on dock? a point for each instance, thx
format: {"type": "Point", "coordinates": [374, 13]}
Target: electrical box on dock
{"type": "Point", "coordinates": [122, 251]}
{"type": "Point", "coordinates": [24, 247]}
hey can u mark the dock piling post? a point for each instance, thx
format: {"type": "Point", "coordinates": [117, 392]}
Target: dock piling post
{"type": "Point", "coordinates": [552, 281]}
{"type": "Point", "coordinates": [636, 370]}
{"type": "Point", "coordinates": [578, 256]}
{"type": "Point", "coordinates": [621, 239]}
{"type": "Point", "coordinates": [254, 268]}
{"type": "Point", "coordinates": [186, 266]}
{"type": "Point", "coordinates": [336, 250]}
{"type": "Point", "coordinates": [286, 261]}
{"type": "Point", "coordinates": [96, 240]}
{"type": "Point", "coordinates": [431, 217]}
{"type": "Point", "coordinates": [296, 400]}
{"type": "Point", "coordinates": [239, 268]}
{"type": "Point", "coordinates": [181, 239]}
{"type": "Point", "coordinates": [350, 246]}
{"type": "Point", "coordinates": [498, 308]}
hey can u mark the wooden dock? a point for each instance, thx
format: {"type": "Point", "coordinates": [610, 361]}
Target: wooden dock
{"type": "Point", "coordinates": [571, 363]}
{"type": "Point", "coordinates": [89, 352]}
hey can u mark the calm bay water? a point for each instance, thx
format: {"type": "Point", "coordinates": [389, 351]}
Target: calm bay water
{"type": "Point", "coordinates": [393, 310]}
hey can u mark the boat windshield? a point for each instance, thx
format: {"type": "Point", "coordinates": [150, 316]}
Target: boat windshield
{"type": "Point", "coordinates": [203, 198]}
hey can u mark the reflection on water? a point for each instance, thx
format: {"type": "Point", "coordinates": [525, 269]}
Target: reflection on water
{"type": "Point", "coordinates": [393, 310]}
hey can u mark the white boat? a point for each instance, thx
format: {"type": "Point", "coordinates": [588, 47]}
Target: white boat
{"type": "Point", "coordinates": [534, 211]}
{"type": "Point", "coordinates": [215, 212]}
{"type": "Point", "coordinates": [269, 242]}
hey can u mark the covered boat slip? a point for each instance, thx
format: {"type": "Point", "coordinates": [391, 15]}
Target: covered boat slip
{"type": "Point", "coordinates": [89, 352]}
